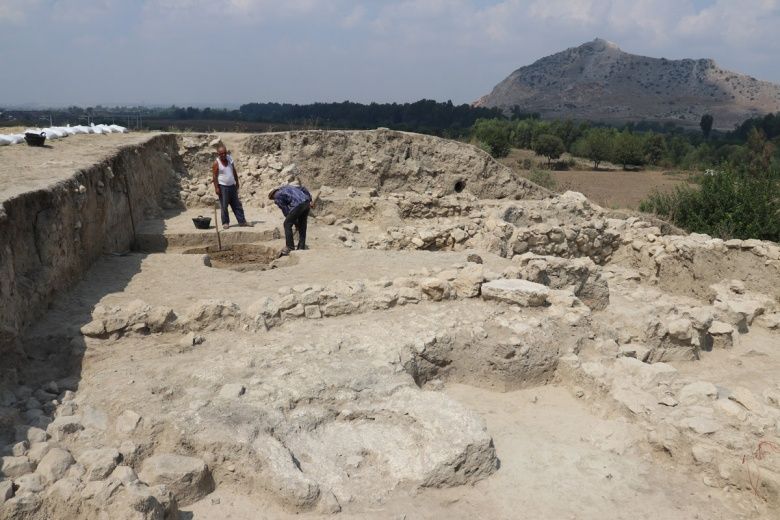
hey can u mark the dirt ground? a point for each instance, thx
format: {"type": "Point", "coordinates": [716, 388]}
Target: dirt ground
{"type": "Point", "coordinates": [26, 168]}
{"type": "Point", "coordinates": [610, 186]}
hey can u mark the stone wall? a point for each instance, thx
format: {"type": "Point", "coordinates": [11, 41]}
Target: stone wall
{"type": "Point", "coordinates": [50, 237]}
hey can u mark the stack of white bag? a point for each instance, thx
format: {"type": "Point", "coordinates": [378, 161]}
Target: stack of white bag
{"type": "Point", "coordinates": [11, 139]}
{"type": "Point", "coordinates": [60, 132]}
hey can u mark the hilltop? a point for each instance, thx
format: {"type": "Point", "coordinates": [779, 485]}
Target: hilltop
{"type": "Point", "coordinates": [599, 81]}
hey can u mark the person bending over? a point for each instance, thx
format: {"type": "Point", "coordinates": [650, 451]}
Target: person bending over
{"type": "Point", "coordinates": [225, 178]}
{"type": "Point", "coordinates": [295, 202]}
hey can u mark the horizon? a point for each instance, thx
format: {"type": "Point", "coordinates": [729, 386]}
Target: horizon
{"type": "Point", "coordinates": [156, 53]}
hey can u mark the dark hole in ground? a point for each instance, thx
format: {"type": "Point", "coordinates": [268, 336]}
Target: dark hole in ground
{"type": "Point", "coordinates": [244, 257]}
{"type": "Point", "coordinates": [460, 186]}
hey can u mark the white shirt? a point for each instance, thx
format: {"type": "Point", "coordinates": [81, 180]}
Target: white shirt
{"type": "Point", "coordinates": [226, 175]}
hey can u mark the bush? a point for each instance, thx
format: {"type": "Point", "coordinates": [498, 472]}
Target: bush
{"type": "Point", "coordinates": [543, 178]}
{"type": "Point", "coordinates": [727, 204]}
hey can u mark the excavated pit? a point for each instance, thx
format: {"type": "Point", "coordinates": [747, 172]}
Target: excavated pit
{"type": "Point", "coordinates": [452, 335]}
{"type": "Point", "coordinates": [243, 257]}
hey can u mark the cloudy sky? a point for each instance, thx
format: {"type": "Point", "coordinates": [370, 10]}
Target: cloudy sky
{"type": "Point", "coordinates": [85, 52]}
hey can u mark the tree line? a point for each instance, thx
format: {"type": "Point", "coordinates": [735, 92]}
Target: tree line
{"type": "Point", "coordinates": [629, 147]}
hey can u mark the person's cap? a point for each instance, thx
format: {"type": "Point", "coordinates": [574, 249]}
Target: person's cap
{"type": "Point", "coordinates": [271, 193]}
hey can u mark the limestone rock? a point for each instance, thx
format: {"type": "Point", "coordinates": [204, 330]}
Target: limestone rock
{"type": "Point", "coordinates": [55, 464]}
{"type": "Point", "coordinates": [698, 391]}
{"type": "Point", "coordinates": [6, 491]}
{"type": "Point", "coordinates": [127, 422]}
{"type": "Point", "coordinates": [15, 466]}
{"type": "Point", "coordinates": [722, 334]}
{"type": "Point", "coordinates": [518, 292]}
{"type": "Point", "coordinates": [99, 463]}
{"type": "Point", "coordinates": [188, 478]}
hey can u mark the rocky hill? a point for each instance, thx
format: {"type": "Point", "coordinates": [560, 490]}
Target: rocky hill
{"type": "Point", "coordinates": [599, 81]}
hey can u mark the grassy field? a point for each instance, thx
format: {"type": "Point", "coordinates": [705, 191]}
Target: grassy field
{"type": "Point", "coordinates": [610, 186]}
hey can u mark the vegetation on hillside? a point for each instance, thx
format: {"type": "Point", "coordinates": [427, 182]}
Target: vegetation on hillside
{"type": "Point", "coordinates": [741, 199]}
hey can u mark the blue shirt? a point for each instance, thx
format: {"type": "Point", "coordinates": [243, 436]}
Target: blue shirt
{"type": "Point", "coordinates": [289, 197]}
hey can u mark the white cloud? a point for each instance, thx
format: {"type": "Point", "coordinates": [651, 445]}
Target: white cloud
{"type": "Point", "coordinates": [235, 10]}
{"type": "Point", "coordinates": [748, 22]}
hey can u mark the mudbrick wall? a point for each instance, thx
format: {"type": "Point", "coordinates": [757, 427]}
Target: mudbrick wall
{"type": "Point", "coordinates": [50, 237]}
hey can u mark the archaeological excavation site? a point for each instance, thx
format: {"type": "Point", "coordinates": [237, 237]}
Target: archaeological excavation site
{"type": "Point", "coordinates": [456, 342]}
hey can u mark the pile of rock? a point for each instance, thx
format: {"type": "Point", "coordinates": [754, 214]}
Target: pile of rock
{"type": "Point", "coordinates": [452, 236]}
{"type": "Point", "coordinates": [593, 239]}
{"type": "Point", "coordinates": [581, 275]}
{"type": "Point", "coordinates": [46, 471]}
{"type": "Point", "coordinates": [718, 430]}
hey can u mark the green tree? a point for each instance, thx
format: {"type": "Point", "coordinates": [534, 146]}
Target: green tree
{"type": "Point", "coordinates": [495, 135]}
{"type": "Point", "coordinates": [550, 146]}
{"type": "Point", "coordinates": [655, 148]}
{"type": "Point", "coordinates": [706, 125]}
{"type": "Point", "coordinates": [596, 146]}
{"type": "Point", "coordinates": [678, 147]}
{"type": "Point", "coordinates": [629, 149]}
{"type": "Point", "coordinates": [760, 151]}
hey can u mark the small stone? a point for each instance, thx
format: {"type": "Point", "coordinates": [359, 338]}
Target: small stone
{"type": "Point", "coordinates": [722, 335]}
{"type": "Point", "coordinates": [37, 435]}
{"type": "Point", "coordinates": [124, 474]}
{"type": "Point", "coordinates": [701, 425]}
{"type": "Point", "coordinates": [698, 391]}
{"type": "Point", "coordinates": [32, 403]}
{"type": "Point", "coordinates": [668, 401]}
{"type": "Point", "coordinates": [30, 483]}
{"type": "Point", "coordinates": [127, 422]}
{"type": "Point", "coordinates": [702, 454]}
{"type": "Point", "coordinates": [129, 451]}
{"type": "Point", "coordinates": [519, 292]}
{"type": "Point", "coordinates": [99, 463]}
{"type": "Point", "coordinates": [13, 467]}
{"type": "Point", "coordinates": [61, 427]}
{"type": "Point", "coordinates": [474, 258]}
{"type": "Point", "coordinates": [188, 478]}
{"type": "Point", "coordinates": [39, 450]}
{"type": "Point", "coordinates": [6, 491]}
{"type": "Point", "coordinates": [191, 340]}
{"type": "Point", "coordinates": [19, 449]}
{"type": "Point", "coordinates": [312, 312]}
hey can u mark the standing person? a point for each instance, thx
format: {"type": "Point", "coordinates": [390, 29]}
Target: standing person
{"type": "Point", "coordinates": [295, 203]}
{"type": "Point", "coordinates": [225, 178]}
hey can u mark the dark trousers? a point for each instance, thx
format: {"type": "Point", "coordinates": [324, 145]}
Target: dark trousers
{"type": "Point", "coordinates": [297, 217]}
{"type": "Point", "coordinates": [228, 195]}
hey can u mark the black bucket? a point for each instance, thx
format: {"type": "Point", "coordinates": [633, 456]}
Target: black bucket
{"type": "Point", "coordinates": [202, 222]}
{"type": "Point", "coordinates": [35, 139]}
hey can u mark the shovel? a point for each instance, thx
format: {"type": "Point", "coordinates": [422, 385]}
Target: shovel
{"type": "Point", "coordinates": [216, 228]}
